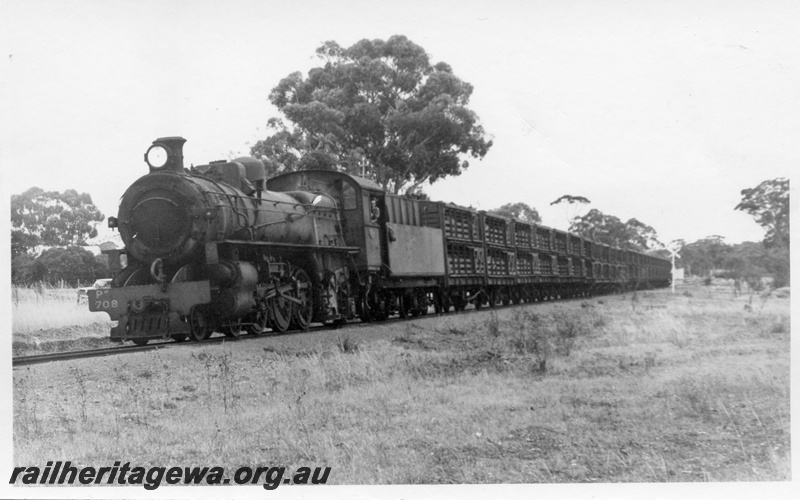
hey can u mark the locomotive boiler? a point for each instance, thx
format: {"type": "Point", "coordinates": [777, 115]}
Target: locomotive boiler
{"type": "Point", "coordinates": [219, 247]}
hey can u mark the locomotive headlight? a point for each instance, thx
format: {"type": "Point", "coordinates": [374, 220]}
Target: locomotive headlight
{"type": "Point", "coordinates": [156, 156]}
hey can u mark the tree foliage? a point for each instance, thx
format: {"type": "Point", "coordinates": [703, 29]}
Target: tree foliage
{"type": "Point", "coordinates": [51, 218]}
{"type": "Point", "coordinates": [748, 261]}
{"type": "Point", "coordinates": [71, 265]}
{"type": "Point", "coordinates": [777, 262]}
{"type": "Point", "coordinates": [520, 211]}
{"type": "Point", "coordinates": [701, 257]}
{"type": "Point", "coordinates": [570, 199]}
{"type": "Point", "coordinates": [25, 270]}
{"type": "Point", "coordinates": [768, 203]}
{"type": "Point", "coordinates": [378, 109]}
{"type": "Point", "coordinates": [281, 149]}
{"type": "Point", "coordinates": [608, 229]}
{"type": "Point", "coordinates": [572, 206]}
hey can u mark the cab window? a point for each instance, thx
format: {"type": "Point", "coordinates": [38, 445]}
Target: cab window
{"type": "Point", "coordinates": [349, 197]}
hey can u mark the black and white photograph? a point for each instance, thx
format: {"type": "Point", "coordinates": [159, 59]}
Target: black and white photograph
{"type": "Point", "coordinates": [442, 249]}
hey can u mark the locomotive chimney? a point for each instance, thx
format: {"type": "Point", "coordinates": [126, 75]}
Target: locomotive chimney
{"type": "Point", "coordinates": [166, 155]}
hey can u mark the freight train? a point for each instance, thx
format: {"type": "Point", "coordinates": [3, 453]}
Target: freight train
{"type": "Point", "coordinates": [220, 247]}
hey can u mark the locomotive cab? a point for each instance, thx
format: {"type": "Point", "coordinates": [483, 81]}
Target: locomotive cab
{"type": "Point", "coordinates": [361, 225]}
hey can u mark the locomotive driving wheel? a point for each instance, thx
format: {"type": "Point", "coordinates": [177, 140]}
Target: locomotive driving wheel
{"type": "Point", "coordinates": [302, 313]}
{"type": "Point", "coordinates": [199, 324]}
{"type": "Point", "coordinates": [280, 313]}
{"type": "Point", "coordinates": [259, 322]}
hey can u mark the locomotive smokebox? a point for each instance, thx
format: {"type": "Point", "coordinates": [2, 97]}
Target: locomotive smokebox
{"type": "Point", "coordinates": [165, 155]}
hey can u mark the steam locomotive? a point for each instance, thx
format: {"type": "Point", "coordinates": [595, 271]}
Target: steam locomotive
{"type": "Point", "coordinates": [220, 247]}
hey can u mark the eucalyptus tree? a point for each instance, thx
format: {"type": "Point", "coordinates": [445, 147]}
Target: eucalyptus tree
{"type": "Point", "coordinates": [379, 109]}
{"type": "Point", "coordinates": [768, 203]}
{"type": "Point", "coordinates": [40, 217]}
{"type": "Point", "coordinates": [608, 229]}
{"type": "Point", "coordinates": [520, 211]}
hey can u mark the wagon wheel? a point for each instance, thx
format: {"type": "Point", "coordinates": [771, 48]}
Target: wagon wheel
{"type": "Point", "coordinates": [363, 310]}
{"type": "Point", "coordinates": [445, 303]}
{"type": "Point", "coordinates": [415, 308]}
{"type": "Point", "coordinates": [479, 299]}
{"type": "Point", "coordinates": [233, 328]}
{"type": "Point", "coordinates": [280, 314]}
{"type": "Point", "coordinates": [493, 298]}
{"type": "Point", "coordinates": [423, 304]}
{"type": "Point", "coordinates": [198, 323]}
{"type": "Point", "coordinates": [140, 341]}
{"type": "Point", "coordinates": [302, 313]}
{"type": "Point", "coordinates": [179, 337]}
{"type": "Point", "coordinates": [343, 305]}
{"type": "Point", "coordinates": [379, 311]}
{"type": "Point", "coordinates": [402, 308]}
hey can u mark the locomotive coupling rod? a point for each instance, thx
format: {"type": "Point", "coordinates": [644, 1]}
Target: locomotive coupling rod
{"type": "Point", "coordinates": [470, 299]}
{"type": "Point", "coordinates": [282, 293]}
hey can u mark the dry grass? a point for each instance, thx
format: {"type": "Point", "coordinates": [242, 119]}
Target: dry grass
{"type": "Point", "coordinates": [35, 309]}
{"type": "Point", "coordinates": [656, 388]}
{"type": "Point", "coordinates": [45, 319]}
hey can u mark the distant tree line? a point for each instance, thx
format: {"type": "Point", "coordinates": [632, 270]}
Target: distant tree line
{"type": "Point", "coordinates": [594, 225]}
{"type": "Point", "coordinates": [748, 261]}
{"type": "Point", "coordinates": [72, 266]}
{"type": "Point", "coordinates": [768, 203]}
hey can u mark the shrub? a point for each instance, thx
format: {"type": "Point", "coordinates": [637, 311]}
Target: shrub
{"type": "Point", "coordinates": [346, 345]}
{"type": "Point", "coordinates": [530, 339]}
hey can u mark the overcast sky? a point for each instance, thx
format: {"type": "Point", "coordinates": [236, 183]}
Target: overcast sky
{"type": "Point", "coordinates": [662, 111]}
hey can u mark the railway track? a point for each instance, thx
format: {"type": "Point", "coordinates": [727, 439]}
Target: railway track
{"type": "Point", "coordinates": [88, 353]}
{"type": "Point", "coordinates": [129, 349]}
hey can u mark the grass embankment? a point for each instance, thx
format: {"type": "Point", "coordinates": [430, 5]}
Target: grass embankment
{"type": "Point", "coordinates": [51, 319]}
{"type": "Point", "coordinates": [636, 388]}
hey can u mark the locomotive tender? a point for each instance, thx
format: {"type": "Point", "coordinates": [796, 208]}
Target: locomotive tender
{"type": "Point", "coordinates": [219, 247]}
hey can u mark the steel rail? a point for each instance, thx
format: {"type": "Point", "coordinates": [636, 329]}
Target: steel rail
{"type": "Point", "coordinates": [130, 349]}
{"type": "Point", "coordinates": [88, 353]}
